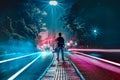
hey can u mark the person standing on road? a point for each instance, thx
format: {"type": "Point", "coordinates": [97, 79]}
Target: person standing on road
{"type": "Point", "coordinates": [60, 46]}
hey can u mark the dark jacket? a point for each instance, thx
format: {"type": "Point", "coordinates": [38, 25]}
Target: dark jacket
{"type": "Point", "coordinates": [60, 41]}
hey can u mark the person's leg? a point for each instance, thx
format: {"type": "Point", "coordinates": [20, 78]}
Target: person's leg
{"type": "Point", "coordinates": [58, 50]}
{"type": "Point", "coordinates": [62, 53]}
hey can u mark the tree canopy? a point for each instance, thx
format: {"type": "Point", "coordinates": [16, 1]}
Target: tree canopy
{"type": "Point", "coordinates": [86, 14]}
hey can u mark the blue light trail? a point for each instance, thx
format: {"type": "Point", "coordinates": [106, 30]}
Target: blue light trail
{"type": "Point", "coordinates": [3, 61]}
{"type": "Point", "coordinates": [24, 68]}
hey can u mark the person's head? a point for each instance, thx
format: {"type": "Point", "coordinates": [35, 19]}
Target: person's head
{"type": "Point", "coordinates": [60, 34]}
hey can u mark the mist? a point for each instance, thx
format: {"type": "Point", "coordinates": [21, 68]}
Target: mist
{"type": "Point", "coordinates": [16, 46]}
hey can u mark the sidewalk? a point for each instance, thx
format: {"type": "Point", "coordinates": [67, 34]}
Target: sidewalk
{"type": "Point", "coordinates": [61, 71]}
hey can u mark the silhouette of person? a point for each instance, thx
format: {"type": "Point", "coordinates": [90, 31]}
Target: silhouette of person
{"type": "Point", "coordinates": [60, 46]}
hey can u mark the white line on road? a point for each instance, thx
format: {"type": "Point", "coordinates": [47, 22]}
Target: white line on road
{"type": "Point", "coordinates": [21, 70]}
{"type": "Point", "coordinates": [18, 57]}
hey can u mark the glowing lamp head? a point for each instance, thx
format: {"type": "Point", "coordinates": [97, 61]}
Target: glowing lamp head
{"type": "Point", "coordinates": [95, 31]}
{"type": "Point", "coordinates": [53, 3]}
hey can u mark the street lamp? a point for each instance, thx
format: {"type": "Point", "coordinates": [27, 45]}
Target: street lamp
{"type": "Point", "coordinates": [94, 30]}
{"type": "Point", "coordinates": [53, 3]}
{"type": "Point", "coordinates": [95, 33]}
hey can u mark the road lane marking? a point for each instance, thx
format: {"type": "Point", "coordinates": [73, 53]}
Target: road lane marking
{"type": "Point", "coordinates": [46, 68]}
{"type": "Point", "coordinates": [24, 68]}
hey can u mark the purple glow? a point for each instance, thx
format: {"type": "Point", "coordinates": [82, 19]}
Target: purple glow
{"type": "Point", "coordinates": [82, 62]}
{"type": "Point", "coordinates": [106, 64]}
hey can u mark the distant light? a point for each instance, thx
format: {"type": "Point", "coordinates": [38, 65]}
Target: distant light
{"type": "Point", "coordinates": [75, 43]}
{"type": "Point", "coordinates": [44, 53]}
{"type": "Point", "coordinates": [95, 31]}
{"type": "Point", "coordinates": [53, 3]}
{"type": "Point", "coordinates": [68, 44]}
{"type": "Point", "coordinates": [71, 41]}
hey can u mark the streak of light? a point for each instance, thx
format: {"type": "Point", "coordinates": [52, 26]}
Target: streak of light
{"type": "Point", "coordinates": [95, 50]}
{"type": "Point", "coordinates": [104, 63]}
{"type": "Point", "coordinates": [46, 41]}
{"type": "Point", "coordinates": [24, 68]}
{"type": "Point", "coordinates": [3, 61]}
{"type": "Point", "coordinates": [8, 54]}
{"type": "Point", "coordinates": [61, 7]}
{"type": "Point", "coordinates": [46, 69]}
{"type": "Point", "coordinates": [100, 59]}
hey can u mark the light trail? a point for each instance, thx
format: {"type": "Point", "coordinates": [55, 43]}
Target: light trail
{"type": "Point", "coordinates": [104, 63]}
{"type": "Point", "coordinates": [100, 59]}
{"type": "Point", "coordinates": [24, 68]}
{"type": "Point", "coordinates": [7, 54]}
{"type": "Point", "coordinates": [95, 50]}
{"type": "Point", "coordinates": [46, 69]}
{"type": "Point", "coordinates": [3, 61]}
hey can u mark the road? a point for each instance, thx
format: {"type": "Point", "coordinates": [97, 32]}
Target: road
{"type": "Point", "coordinates": [24, 67]}
{"type": "Point", "coordinates": [33, 66]}
{"type": "Point", "coordinates": [109, 54]}
{"type": "Point", "coordinates": [93, 68]}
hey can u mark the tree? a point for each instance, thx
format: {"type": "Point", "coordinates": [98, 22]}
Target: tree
{"type": "Point", "coordinates": [88, 13]}
{"type": "Point", "coordinates": [20, 19]}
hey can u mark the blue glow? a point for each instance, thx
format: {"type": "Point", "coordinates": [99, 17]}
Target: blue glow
{"type": "Point", "coordinates": [44, 53]}
{"type": "Point", "coordinates": [54, 10]}
{"type": "Point", "coordinates": [46, 69]}
{"type": "Point", "coordinates": [15, 46]}
{"type": "Point", "coordinates": [95, 55]}
{"type": "Point", "coordinates": [24, 68]}
{"type": "Point", "coordinates": [18, 57]}
{"type": "Point", "coordinates": [95, 31]}
{"type": "Point", "coordinates": [76, 44]}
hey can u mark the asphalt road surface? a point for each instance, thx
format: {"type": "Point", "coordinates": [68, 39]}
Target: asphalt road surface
{"type": "Point", "coordinates": [24, 67]}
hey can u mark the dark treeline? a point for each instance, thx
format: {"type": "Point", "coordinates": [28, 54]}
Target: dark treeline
{"type": "Point", "coordinates": [20, 20]}
{"type": "Point", "coordinates": [104, 15]}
